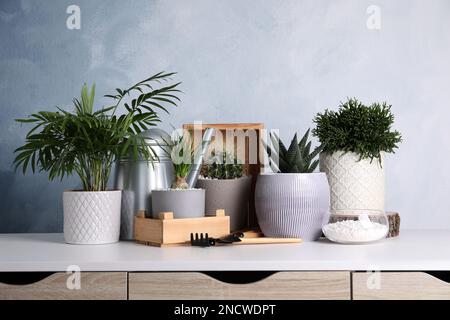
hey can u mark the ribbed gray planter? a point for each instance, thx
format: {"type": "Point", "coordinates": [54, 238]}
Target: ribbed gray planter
{"type": "Point", "coordinates": [232, 195]}
{"type": "Point", "coordinates": [292, 204]}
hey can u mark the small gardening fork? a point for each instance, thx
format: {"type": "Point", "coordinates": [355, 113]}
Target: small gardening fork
{"type": "Point", "coordinates": [203, 240]}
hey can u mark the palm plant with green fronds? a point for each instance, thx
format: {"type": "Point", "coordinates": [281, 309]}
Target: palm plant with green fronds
{"type": "Point", "coordinates": [86, 141]}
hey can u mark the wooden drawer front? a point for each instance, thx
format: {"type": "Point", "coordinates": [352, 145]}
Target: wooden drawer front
{"type": "Point", "coordinates": [398, 285]}
{"type": "Point", "coordinates": [281, 285]}
{"type": "Point", "coordinates": [93, 285]}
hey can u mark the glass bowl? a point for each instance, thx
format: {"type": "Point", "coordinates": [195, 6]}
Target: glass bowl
{"type": "Point", "coordinates": [357, 227]}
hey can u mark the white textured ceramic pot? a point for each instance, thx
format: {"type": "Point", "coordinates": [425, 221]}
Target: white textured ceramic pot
{"type": "Point", "coordinates": [356, 185]}
{"type": "Point", "coordinates": [92, 217]}
{"type": "Point", "coordinates": [292, 204]}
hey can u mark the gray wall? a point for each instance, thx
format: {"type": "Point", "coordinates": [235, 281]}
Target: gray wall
{"type": "Point", "coordinates": [277, 62]}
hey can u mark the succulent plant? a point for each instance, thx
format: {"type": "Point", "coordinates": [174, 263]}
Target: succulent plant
{"type": "Point", "coordinates": [180, 150]}
{"type": "Point", "coordinates": [298, 158]}
{"type": "Point", "coordinates": [222, 166]}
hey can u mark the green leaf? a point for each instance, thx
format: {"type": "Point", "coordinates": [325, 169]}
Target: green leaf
{"type": "Point", "coordinates": [313, 166]}
{"type": "Point", "coordinates": [28, 120]}
{"type": "Point", "coordinates": [157, 105]}
{"type": "Point", "coordinates": [91, 99]}
{"type": "Point", "coordinates": [276, 141]}
{"type": "Point", "coordinates": [115, 97]}
{"type": "Point", "coordinates": [304, 139]}
{"type": "Point", "coordinates": [293, 151]}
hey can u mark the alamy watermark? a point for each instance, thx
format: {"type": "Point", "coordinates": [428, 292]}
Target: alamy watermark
{"type": "Point", "coordinates": [374, 20]}
{"type": "Point", "coordinates": [243, 146]}
{"type": "Point", "coordinates": [73, 281]}
{"type": "Point", "coordinates": [73, 21]}
{"type": "Point", "coordinates": [373, 281]}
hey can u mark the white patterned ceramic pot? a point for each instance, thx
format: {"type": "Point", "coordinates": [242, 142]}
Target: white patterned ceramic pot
{"type": "Point", "coordinates": [92, 217]}
{"type": "Point", "coordinates": [292, 204]}
{"type": "Point", "coordinates": [356, 185]}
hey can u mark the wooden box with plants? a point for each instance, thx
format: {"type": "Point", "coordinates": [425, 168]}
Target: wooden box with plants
{"type": "Point", "coordinates": [293, 201]}
{"type": "Point", "coordinates": [87, 142]}
{"type": "Point", "coordinates": [356, 138]}
{"type": "Point", "coordinates": [228, 137]}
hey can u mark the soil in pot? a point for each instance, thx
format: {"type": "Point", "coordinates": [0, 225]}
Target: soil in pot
{"type": "Point", "coordinates": [184, 203]}
{"type": "Point", "coordinates": [232, 195]}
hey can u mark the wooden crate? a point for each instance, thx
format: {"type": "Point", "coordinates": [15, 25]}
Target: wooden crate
{"type": "Point", "coordinates": [252, 169]}
{"type": "Point", "coordinates": [167, 231]}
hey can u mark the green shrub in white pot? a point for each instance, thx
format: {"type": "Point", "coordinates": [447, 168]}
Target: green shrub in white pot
{"type": "Point", "coordinates": [293, 201]}
{"type": "Point", "coordinates": [356, 137]}
{"type": "Point", "coordinates": [226, 188]}
{"type": "Point", "coordinates": [87, 142]}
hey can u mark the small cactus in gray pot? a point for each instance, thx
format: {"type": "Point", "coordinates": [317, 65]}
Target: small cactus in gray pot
{"type": "Point", "coordinates": [226, 188]}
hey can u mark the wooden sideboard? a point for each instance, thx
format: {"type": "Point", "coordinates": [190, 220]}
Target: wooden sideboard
{"type": "Point", "coordinates": [34, 266]}
{"type": "Point", "coordinates": [297, 285]}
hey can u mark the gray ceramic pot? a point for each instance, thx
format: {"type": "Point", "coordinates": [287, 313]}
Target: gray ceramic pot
{"type": "Point", "coordinates": [184, 203]}
{"type": "Point", "coordinates": [232, 195]}
{"type": "Point", "coordinates": [292, 204]}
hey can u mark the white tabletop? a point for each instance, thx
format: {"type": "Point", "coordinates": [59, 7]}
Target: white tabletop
{"type": "Point", "coordinates": [413, 250]}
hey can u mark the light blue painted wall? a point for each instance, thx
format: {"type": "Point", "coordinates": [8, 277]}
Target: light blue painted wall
{"type": "Point", "coordinates": [277, 62]}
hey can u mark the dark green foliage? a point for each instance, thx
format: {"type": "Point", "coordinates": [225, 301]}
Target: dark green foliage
{"type": "Point", "coordinates": [298, 158]}
{"type": "Point", "coordinates": [87, 142]}
{"type": "Point", "coordinates": [365, 130]}
{"type": "Point", "coordinates": [222, 166]}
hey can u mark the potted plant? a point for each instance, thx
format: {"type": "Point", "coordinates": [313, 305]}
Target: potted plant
{"type": "Point", "coordinates": [293, 201]}
{"type": "Point", "coordinates": [87, 142]}
{"type": "Point", "coordinates": [226, 188]}
{"type": "Point", "coordinates": [356, 137]}
{"type": "Point", "coordinates": [181, 199]}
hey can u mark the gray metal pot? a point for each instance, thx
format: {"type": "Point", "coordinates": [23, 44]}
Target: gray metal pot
{"type": "Point", "coordinates": [232, 195]}
{"type": "Point", "coordinates": [138, 178]}
{"type": "Point", "coordinates": [184, 203]}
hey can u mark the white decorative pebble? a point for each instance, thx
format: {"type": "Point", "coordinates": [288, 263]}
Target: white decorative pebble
{"type": "Point", "coordinates": [354, 231]}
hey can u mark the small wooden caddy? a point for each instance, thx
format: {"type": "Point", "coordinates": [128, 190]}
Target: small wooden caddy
{"type": "Point", "coordinates": [167, 231]}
